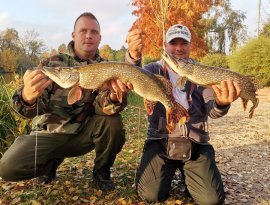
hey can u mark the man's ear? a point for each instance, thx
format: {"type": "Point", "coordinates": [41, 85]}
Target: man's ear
{"type": "Point", "coordinates": [100, 38]}
{"type": "Point", "coordinates": [73, 35]}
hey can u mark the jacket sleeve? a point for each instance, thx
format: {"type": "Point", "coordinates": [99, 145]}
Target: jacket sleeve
{"type": "Point", "coordinates": [214, 110]}
{"type": "Point", "coordinates": [40, 106]}
{"type": "Point", "coordinates": [129, 59]}
{"type": "Point", "coordinates": [28, 111]}
{"type": "Point", "coordinates": [104, 106]}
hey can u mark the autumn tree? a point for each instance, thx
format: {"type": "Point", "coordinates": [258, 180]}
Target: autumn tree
{"type": "Point", "coordinates": [62, 48]}
{"type": "Point", "coordinates": [32, 48]}
{"type": "Point", "coordinates": [266, 29]}
{"type": "Point", "coordinates": [9, 38]}
{"type": "Point", "coordinates": [120, 54]}
{"type": "Point", "coordinates": [8, 60]}
{"type": "Point", "coordinates": [223, 28]}
{"type": "Point", "coordinates": [180, 11]}
{"type": "Point", "coordinates": [105, 51]}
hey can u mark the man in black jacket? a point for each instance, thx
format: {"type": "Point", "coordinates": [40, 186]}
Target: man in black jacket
{"type": "Point", "coordinates": [190, 141]}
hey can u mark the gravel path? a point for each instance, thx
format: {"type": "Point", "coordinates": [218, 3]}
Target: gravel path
{"type": "Point", "coordinates": [243, 154]}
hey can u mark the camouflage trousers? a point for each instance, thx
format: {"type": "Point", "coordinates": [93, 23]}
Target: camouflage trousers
{"type": "Point", "coordinates": [25, 159]}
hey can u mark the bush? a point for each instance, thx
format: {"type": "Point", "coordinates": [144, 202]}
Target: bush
{"type": "Point", "coordinates": [216, 59]}
{"type": "Point", "coordinates": [253, 59]}
{"type": "Point", "coordinates": [10, 124]}
{"type": "Point", "coordinates": [146, 60]}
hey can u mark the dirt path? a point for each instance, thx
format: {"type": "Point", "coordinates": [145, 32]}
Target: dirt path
{"type": "Point", "coordinates": [243, 154]}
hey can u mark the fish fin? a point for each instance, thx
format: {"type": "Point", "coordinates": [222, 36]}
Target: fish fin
{"type": "Point", "coordinates": [108, 110]}
{"type": "Point", "coordinates": [149, 106]}
{"type": "Point", "coordinates": [183, 81]}
{"type": "Point", "coordinates": [244, 102]}
{"type": "Point", "coordinates": [74, 95]}
{"type": "Point", "coordinates": [182, 120]}
{"type": "Point", "coordinates": [252, 109]}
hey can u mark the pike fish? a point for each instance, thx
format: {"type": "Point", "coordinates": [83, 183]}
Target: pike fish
{"type": "Point", "coordinates": [206, 76]}
{"type": "Point", "coordinates": [151, 87]}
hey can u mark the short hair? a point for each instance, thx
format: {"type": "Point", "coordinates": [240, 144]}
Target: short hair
{"type": "Point", "coordinates": [86, 14]}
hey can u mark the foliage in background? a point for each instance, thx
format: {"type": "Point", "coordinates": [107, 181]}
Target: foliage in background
{"type": "Point", "coordinates": [266, 29]}
{"type": "Point", "coordinates": [214, 24]}
{"type": "Point", "coordinates": [25, 51]}
{"type": "Point", "coordinates": [147, 59]}
{"type": "Point", "coordinates": [181, 11]}
{"type": "Point", "coordinates": [215, 59]}
{"type": "Point", "coordinates": [8, 60]}
{"type": "Point", "coordinates": [253, 59]}
{"type": "Point", "coordinates": [10, 124]}
{"type": "Point", "coordinates": [108, 53]}
{"type": "Point", "coordinates": [223, 28]}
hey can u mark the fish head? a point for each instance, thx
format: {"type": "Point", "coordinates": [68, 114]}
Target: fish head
{"type": "Point", "coordinates": [65, 77]}
{"type": "Point", "coordinates": [177, 65]}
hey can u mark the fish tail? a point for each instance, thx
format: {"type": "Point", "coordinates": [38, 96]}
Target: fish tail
{"type": "Point", "coordinates": [244, 102]}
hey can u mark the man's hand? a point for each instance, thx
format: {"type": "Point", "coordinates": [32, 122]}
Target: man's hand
{"type": "Point", "coordinates": [263, 94]}
{"type": "Point", "coordinates": [135, 43]}
{"type": "Point", "coordinates": [228, 92]}
{"type": "Point", "coordinates": [34, 84]}
{"type": "Point", "coordinates": [117, 88]}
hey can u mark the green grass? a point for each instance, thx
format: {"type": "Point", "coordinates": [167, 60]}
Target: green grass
{"type": "Point", "coordinates": [10, 124]}
{"type": "Point", "coordinates": [74, 185]}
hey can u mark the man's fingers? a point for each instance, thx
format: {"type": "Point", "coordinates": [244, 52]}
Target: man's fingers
{"type": "Point", "coordinates": [217, 90]}
{"type": "Point", "coordinates": [231, 90]}
{"type": "Point", "coordinates": [237, 88]}
{"type": "Point", "coordinates": [225, 89]}
{"type": "Point", "coordinates": [134, 33]}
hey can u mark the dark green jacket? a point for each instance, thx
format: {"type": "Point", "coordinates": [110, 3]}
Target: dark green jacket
{"type": "Point", "coordinates": [51, 113]}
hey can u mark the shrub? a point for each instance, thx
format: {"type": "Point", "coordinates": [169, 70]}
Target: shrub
{"type": "Point", "coordinates": [10, 124]}
{"type": "Point", "coordinates": [216, 59]}
{"type": "Point", "coordinates": [253, 59]}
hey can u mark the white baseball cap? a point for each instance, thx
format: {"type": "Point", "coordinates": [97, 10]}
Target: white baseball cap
{"type": "Point", "coordinates": [178, 31]}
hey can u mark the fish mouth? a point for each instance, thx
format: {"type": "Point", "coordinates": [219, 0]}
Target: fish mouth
{"type": "Point", "coordinates": [169, 59]}
{"type": "Point", "coordinates": [55, 74]}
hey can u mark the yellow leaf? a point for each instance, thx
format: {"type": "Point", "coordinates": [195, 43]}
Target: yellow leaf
{"type": "Point", "coordinates": [75, 198]}
{"type": "Point", "coordinates": [84, 200]}
{"type": "Point", "coordinates": [178, 202]}
{"type": "Point", "coordinates": [34, 202]}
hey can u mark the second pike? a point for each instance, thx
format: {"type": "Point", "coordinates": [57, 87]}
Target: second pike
{"type": "Point", "coordinates": [209, 75]}
{"type": "Point", "coordinates": [93, 76]}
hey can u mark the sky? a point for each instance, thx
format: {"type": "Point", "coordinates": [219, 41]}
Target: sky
{"type": "Point", "coordinates": [54, 19]}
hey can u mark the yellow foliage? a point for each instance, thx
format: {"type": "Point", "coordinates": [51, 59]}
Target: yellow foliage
{"type": "Point", "coordinates": [8, 60]}
{"type": "Point", "coordinates": [179, 11]}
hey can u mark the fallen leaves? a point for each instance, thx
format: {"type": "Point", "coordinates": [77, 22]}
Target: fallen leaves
{"type": "Point", "coordinates": [242, 155]}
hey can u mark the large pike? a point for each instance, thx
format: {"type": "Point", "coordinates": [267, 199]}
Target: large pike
{"type": "Point", "coordinates": [93, 76]}
{"type": "Point", "coordinates": [209, 75]}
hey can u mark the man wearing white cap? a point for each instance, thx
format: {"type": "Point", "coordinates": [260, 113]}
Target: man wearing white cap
{"type": "Point", "coordinates": [188, 147]}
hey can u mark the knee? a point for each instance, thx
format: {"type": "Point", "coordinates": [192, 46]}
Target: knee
{"type": "Point", "coordinates": [116, 127]}
{"type": "Point", "coordinates": [150, 194]}
{"type": "Point", "coordinates": [212, 199]}
{"type": "Point", "coordinates": [6, 171]}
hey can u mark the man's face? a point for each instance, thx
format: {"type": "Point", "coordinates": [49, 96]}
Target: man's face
{"type": "Point", "coordinates": [178, 47]}
{"type": "Point", "coordinates": [86, 37]}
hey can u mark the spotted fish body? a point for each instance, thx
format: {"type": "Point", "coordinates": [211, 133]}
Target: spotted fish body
{"type": "Point", "coordinates": [209, 75]}
{"type": "Point", "coordinates": [93, 76]}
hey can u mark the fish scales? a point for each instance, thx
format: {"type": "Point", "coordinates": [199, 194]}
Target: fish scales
{"type": "Point", "coordinates": [209, 75]}
{"type": "Point", "coordinates": [93, 76]}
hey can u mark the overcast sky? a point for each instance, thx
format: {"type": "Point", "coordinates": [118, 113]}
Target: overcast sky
{"type": "Point", "coordinates": [54, 19]}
